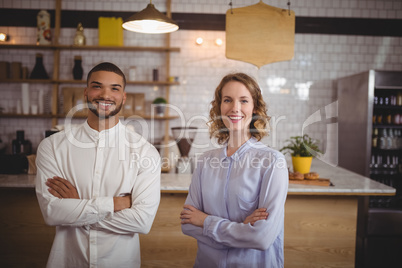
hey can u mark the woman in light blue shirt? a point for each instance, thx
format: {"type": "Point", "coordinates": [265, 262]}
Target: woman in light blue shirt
{"type": "Point", "coordinates": [235, 204]}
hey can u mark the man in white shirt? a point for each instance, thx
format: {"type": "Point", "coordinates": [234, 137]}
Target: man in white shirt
{"type": "Point", "coordinates": [98, 182]}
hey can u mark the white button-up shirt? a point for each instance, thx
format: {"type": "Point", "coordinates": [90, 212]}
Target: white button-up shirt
{"type": "Point", "coordinates": [101, 165]}
{"type": "Point", "coordinates": [229, 189]}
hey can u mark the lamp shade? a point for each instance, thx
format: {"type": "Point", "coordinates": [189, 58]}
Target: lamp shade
{"type": "Point", "coordinates": [150, 20]}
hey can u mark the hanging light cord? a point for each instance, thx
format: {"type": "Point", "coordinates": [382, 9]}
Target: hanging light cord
{"type": "Point", "coordinates": [231, 7]}
{"type": "Point", "coordinates": [289, 7]}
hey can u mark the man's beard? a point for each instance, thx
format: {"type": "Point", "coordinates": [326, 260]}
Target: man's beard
{"type": "Point", "coordinates": [94, 110]}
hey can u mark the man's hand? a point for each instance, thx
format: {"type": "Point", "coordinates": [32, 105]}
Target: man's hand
{"type": "Point", "coordinates": [193, 216]}
{"type": "Point", "coordinates": [258, 214]}
{"type": "Point", "coordinates": [122, 202]}
{"type": "Point", "coordinates": [61, 188]}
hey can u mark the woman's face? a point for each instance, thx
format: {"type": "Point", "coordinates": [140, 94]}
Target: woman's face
{"type": "Point", "coordinates": [237, 106]}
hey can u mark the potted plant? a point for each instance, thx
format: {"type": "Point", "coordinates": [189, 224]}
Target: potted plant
{"type": "Point", "coordinates": [160, 105]}
{"type": "Point", "coordinates": [302, 149]}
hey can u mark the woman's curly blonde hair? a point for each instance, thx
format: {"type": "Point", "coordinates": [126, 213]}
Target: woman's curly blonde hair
{"type": "Point", "coordinates": [260, 122]}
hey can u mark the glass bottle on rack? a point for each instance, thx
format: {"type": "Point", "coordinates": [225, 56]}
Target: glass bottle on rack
{"type": "Point", "coordinates": [382, 139]}
{"type": "Point", "coordinates": [390, 139]}
{"type": "Point", "coordinates": [374, 142]}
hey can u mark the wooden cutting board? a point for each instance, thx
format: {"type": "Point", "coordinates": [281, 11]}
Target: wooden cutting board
{"type": "Point", "coordinates": [260, 34]}
{"type": "Point", "coordinates": [318, 182]}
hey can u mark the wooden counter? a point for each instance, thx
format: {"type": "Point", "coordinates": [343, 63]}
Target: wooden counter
{"type": "Point", "coordinates": [320, 222]}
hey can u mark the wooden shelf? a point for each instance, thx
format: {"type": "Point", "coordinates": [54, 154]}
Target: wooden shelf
{"type": "Point", "coordinates": [31, 81]}
{"type": "Point", "coordinates": [26, 115]}
{"type": "Point", "coordinates": [388, 107]}
{"type": "Point", "coordinates": [134, 116]}
{"type": "Point", "coordinates": [146, 117]}
{"type": "Point", "coordinates": [56, 82]}
{"type": "Point", "coordinates": [147, 83]}
{"type": "Point", "coordinates": [72, 47]}
{"type": "Point", "coordinates": [83, 82]}
{"type": "Point", "coordinates": [386, 126]}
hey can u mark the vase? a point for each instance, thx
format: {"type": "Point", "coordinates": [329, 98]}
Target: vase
{"type": "Point", "coordinates": [79, 38]}
{"type": "Point", "coordinates": [77, 69]}
{"type": "Point", "coordinates": [302, 164]}
{"type": "Point", "coordinates": [44, 36]}
{"type": "Point", "coordinates": [39, 71]}
{"type": "Point", "coordinates": [160, 109]}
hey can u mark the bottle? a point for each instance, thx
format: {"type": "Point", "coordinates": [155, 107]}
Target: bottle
{"type": "Point", "coordinates": [375, 138]}
{"type": "Point", "coordinates": [79, 38]}
{"type": "Point", "coordinates": [379, 118]}
{"type": "Point", "coordinates": [77, 70]}
{"type": "Point", "coordinates": [388, 118]}
{"type": "Point", "coordinates": [39, 71]}
{"type": "Point", "coordinates": [382, 139]}
{"type": "Point", "coordinates": [20, 145]}
{"type": "Point", "coordinates": [132, 73]}
{"type": "Point", "coordinates": [399, 99]}
{"type": "Point", "coordinates": [155, 74]}
{"type": "Point", "coordinates": [390, 139]}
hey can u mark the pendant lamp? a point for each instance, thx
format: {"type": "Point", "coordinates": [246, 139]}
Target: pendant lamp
{"type": "Point", "coordinates": [150, 20]}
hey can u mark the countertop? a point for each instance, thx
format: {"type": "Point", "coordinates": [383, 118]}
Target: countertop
{"type": "Point", "coordinates": [344, 182]}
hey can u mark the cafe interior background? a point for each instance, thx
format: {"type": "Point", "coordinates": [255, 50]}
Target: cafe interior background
{"type": "Point", "coordinates": [300, 92]}
{"type": "Point", "coordinates": [333, 39]}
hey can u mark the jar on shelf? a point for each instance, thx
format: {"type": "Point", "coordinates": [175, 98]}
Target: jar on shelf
{"type": "Point", "coordinates": [39, 71]}
{"type": "Point", "coordinates": [78, 72]}
{"type": "Point", "coordinates": [44, 36]}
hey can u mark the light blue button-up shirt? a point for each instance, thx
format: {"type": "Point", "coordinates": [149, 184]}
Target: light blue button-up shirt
{"type": "Point", "coordinates": [229, 189]}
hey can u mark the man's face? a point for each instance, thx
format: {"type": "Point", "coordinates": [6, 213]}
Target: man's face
{"type": "Point", "coordinates": [105, 94]}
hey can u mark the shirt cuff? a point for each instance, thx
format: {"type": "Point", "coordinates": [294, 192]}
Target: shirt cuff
{"type": "Point", "coordinates": [105, 207]}
{"type": "Point", "coordinates": [209, 224]}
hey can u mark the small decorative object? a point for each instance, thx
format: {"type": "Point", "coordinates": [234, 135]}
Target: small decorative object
{"type": "Point", "coordinates": [160, 106]}
{"type": "Point", "coordinates": [44, 36]}
{"type": "Point", "coordinates": [4, 70]}
{"type": "Point", "coordinates": [184, 137]}
{"type": "Point", "coordinates": [77, 70]}
{"type": "Point", "coordinates": [155, 74]}
{"type": "Point", "coordinates": [132, 73]}
{"type": "Point", "coordinates": [20, 145]}
{"type": "Point", "coordinates": [39, 71]}
{"type": "Point", "coordinates": [25, 98]}
{"type": "Point", "coordinates": [79, 38]}
{"type": "Point", "coordinates": [41, 107]}
{"type": "Point", "coordinates": [303, 149]}
{"type": "Point", "coordinates": [16, 70]}
{"type": "Point", "coordinates": [110, 31]}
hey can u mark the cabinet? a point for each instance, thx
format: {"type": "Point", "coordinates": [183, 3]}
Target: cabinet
{"type": "Point", "coordinates": [56, 82]}
{"type": "Point", "coordinates": [370, 143]}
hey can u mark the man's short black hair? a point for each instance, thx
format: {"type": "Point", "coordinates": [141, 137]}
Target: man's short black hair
{"type": "Point", "coordinates": [108, 67]}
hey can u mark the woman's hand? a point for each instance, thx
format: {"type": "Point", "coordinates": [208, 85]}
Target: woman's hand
{"type": "Point", "coordinates": [193, 216]}
{"type": "Point", "coordinates": [258, 214]}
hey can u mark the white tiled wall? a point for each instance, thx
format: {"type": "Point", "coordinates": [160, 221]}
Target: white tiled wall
{"type": "Point", "coordinates": [305, 90]}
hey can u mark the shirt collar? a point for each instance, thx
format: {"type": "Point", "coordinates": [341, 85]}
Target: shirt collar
{"type": "Point", "coordinates": [101, 134]}
{"type": "Point", "coordinates": [240, 152]}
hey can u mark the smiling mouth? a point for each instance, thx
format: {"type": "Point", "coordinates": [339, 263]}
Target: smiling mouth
{"type": "Point", "coordinates": [235, 118]}
{"type": "Point", "coordinates": [104, 105]}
